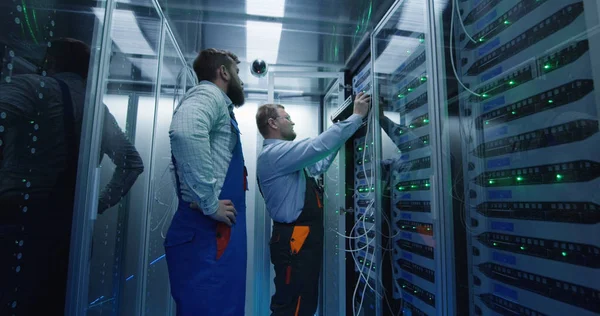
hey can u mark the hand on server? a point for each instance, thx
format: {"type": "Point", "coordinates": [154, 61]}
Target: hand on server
{"type": "Point", "coordinates": [362, 103]}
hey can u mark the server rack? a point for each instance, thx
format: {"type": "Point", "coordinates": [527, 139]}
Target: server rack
{"type": "Point", "coordinates": [529, 116]}
{"type": "Point", "coordinates": [405, 89]}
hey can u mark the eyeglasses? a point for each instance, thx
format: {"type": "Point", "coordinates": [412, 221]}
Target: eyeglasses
{"type": "Point", "coordinates": [283, 117]}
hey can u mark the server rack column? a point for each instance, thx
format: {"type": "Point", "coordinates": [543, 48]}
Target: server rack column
{"type": "Point", "coordinates": [530, 141]}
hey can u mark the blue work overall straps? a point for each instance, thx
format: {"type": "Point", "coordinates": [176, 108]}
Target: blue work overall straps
{"type": "Point", "coordinates": [207, 259]}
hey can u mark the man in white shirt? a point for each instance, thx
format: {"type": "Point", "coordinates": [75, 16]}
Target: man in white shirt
{"type": "Point", "coordinates": [285, 171]}
{"type": "Point", "coordinates": [205, 251]}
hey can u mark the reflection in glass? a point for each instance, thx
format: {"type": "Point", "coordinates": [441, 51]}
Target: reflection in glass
{"type": "Point", "coordinates": [44, 74]}
{"type": "Point", "coordinates": [162, 191]}
{"type": "Point", "coordinates": [117, 244]}
{"type": "Point", "coordinates": [404, 91]}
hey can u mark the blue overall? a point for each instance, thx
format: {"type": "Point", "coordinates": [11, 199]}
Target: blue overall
{"type": "Point", "coordinates": [207, 259]}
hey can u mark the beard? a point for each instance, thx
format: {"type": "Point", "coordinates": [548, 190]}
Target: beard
{"type": "Point", "coordinates": [236, 94]}
{"type": "Point", "coordinates": [290, 136]}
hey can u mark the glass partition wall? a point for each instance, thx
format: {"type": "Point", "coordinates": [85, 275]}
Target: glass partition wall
{"type": "Point", "coordinates": [125, 199]}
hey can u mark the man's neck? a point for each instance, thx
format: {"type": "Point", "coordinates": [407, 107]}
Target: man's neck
{"type": "Point", "coordinates": [274, 138]}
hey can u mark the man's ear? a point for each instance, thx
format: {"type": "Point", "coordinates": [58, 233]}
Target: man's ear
{"type": "Point", "coordinates": [272, 124]}
{"type": "Point", "coordinates": [224, 73]}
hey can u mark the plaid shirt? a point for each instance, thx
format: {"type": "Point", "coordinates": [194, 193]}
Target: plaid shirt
{"type": "Point", "coordinates": [202, 143]}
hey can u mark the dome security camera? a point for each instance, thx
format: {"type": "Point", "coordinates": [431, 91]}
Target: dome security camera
{"type": "Point", "coordinates": [259, 68]}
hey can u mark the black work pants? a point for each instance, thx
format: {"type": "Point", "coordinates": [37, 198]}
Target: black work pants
{"type": "Point", "coordinates": [296, 253]}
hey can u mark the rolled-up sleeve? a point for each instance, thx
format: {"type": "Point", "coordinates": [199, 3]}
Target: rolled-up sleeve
{"type": "Point", "coordinates": [190, 145]}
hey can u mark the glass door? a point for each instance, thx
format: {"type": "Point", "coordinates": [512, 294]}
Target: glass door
{"type": "Point", "coordinates": [409, 141]}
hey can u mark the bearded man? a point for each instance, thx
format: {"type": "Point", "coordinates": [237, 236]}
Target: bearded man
{"type": "Point", "coordinates": [205, 246]}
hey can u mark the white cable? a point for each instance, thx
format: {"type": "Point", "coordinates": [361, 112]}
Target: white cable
{"type": "Point", "coordinates": [461, 22]}
{"type": "Point", "coordinates": [360, 270]}
{"type": "Point", "coordinates": [452, 56]}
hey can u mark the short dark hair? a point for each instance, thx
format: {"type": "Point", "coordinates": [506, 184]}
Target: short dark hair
{"type": "Point", "coordinates": [264, 113]}
{"type": "Point", "coordinates": [69, 55]}
{"type": "Point", "coordinates": [209, 60]}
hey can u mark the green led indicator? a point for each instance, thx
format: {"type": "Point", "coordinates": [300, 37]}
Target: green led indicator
{"type": "Point", "coordinates": [522, 247]}
{"type": "Point", "coordinates": [421, 40]}
{"type": "Point", "coordinates": [411, 126]}
{"type": "Point", "coordinates": [423, 78]}
{"type": "Point", "coordinates": [401, 188]}
{"type": "Point", "coordinates": [519, 178]}
{"type": "Point", "coordinates": [550, 101]}
{"type": "Point", "coordinates": [492, 182]}
{"type": "Point", "coordinates": [413, 186]}
{"type": "Point", "coordinates": [495, 244]}
{"type": "Point", "coordinates": [506, 22]}
{"type": "Point", "coordinates": [425, 121]}
{"type": "Point", "coordinates": [481, 39]}
{"type": "Point", "coordinates": [360, 148]}
{"type": "Point", "coordinates": [401, 96]}
{"type": "Point", "coordinates": [427, 185]}
{"type": "Point", "coordinates": [485, 95]}
{"type": "Point", "coordinates": [559, 177]}
{"type": "Point", "coordinates": [564, 254]}
{"type": "Point", "coordinates": [487, 122]}
{"type": "Point", "coordinates": [547, 66]}
{"type": "Point", "coordinates": [410, 89]}
{"type": "Point", "coordinates": [424, 142]}
{"type": "Point", "coordinates": [511, 82]}
{"type": "Point", "coordinates": [513, 112]}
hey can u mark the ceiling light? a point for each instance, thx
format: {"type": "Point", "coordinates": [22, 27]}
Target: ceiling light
{"type": "Point", "coordinates": [272, 8]}
{"type": "Point", "coordinates": [262, 41]}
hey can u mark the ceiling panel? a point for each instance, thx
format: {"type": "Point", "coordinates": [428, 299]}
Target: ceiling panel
{"type": "Point", "coordinates": [316, 35]}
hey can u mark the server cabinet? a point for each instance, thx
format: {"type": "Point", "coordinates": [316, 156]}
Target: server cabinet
{"type": "Point", "coordinates": [529, 120]}
{"type": "Point", "coordinates": [412, 146]}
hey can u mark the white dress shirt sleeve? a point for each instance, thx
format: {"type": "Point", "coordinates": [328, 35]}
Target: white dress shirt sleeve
{"type": "Point", "coordinates": [288, 157]}
{"type": "Point", "coordinates": [323, 165]}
